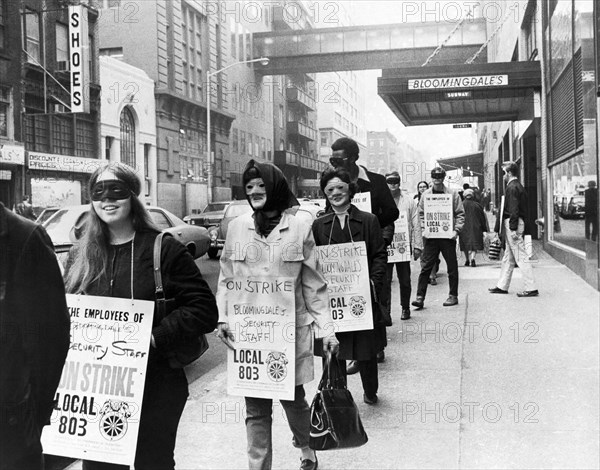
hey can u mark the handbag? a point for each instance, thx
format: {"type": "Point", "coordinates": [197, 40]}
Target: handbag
{"type": "Point", "coordinates": [190, 348]}
{"type": "Point", "coordinates": [334, 419]}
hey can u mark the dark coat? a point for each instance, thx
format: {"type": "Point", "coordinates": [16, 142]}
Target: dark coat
{"type": "Point", "coordinates": [196, 308]}
{"type": "Point", "coordinates": [365, 344]}
{"type": "Point", "coordinates": [34, 333]}
{"type": "Point", "coordinates": [471, 236]}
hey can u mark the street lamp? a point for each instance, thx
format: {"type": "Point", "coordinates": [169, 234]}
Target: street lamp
{"type": "Point", "coordinates": [264, 61]}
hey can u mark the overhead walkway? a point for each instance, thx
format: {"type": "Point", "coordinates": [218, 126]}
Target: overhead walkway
{"type": "Point", "coordinates": [368, 47]}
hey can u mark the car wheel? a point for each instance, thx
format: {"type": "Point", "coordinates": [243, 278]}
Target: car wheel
{"type": "Point", "coordinates": [213, 253]}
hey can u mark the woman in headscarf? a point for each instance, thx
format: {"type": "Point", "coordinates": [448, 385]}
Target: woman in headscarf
{"type": "Point", "coordinates": [282, 246]}
{"type": "Point", "coordinates": [345, 223]}
{"type": "Point", "coordinates": [471, 236]}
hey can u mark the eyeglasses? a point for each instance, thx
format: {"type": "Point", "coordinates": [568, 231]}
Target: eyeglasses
{"type": "Point", "coordinates": [338, 161]}
{"type": "Point", "coordinates": [110, 189]}
{"type": "Point", "coordinates": [393, 181]}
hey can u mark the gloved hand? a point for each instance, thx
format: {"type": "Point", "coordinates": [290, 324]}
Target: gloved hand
{"type": "Point", "coordinates": [417, 252]}
{"type": "Point", "coordinates": [225, 335]}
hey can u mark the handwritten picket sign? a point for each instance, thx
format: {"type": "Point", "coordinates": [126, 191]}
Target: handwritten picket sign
{"type": "Point", "coordinates": [362, 201]}
{"type": "Point", "coordinates": [399, 249]}
{"type": "Point", "coordinates": [438, 214]}
{"type": "Point", "coordinates": [262, 317]}
{"type": "Point", "coordinates": [99, 397]}
{"type": "Point", "coordinates": [346, 270]}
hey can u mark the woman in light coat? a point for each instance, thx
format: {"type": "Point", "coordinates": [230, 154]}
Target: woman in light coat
{"type": "Point", "coordinates": [274, 242]}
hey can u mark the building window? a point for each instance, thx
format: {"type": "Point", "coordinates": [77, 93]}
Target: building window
{"type": "Point", "coordinates": [192, 26]}
{"type": "Point", "coordinates": [250, 144]}
{"type": "Point", "coordinates": [2, 23]}
{"type": "Point", "coordinates": [232, 38]}
{"type": "Point", "coordinates": [5, 110]}
{"type": "Point", "coordinates": [32, 36]}
{"type": "Point", "coordinates": [108, 143]}
{"type": "Point", "coordinates": [281, 116]}
{"type": "Point", "coordinates": [248, 47]}
{"type": "Point", "coordinates": [269, 150]}
{"type": "Point", "coordinates": [263, 148]}
{"type": "Point", "coordinates": [242, 142]}
{"type": "Point", "coordinates": [62, 46]}
{"type": "Point", "coordinates": [127, 137]}
{"type": "Point", "coordinates": [234, 140]}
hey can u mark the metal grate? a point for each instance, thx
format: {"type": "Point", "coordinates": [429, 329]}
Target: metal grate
{"type": "Point", "coordinates": [563, 114]}
{"type": "Point", "coordinates": [578, 98]}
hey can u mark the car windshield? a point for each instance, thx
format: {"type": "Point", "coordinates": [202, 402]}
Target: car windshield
{"type": "Point", "coordinates": [216, 206]}
{"type": "Point", "coordinates": [238, 209]}
{"type": "Point", "coordinates": [60, 225]}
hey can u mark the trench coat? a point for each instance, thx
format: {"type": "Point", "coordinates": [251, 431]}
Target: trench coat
{"type": "Point", "coordinates": [365, 344]}
{"type": "Point", "coordinates": [286, 252]}
{"type": "Point", "coordinates": [471, 236]}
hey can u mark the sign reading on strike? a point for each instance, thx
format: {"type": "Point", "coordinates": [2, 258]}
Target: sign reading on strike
{"type": "Point", "coordinates": [99, 397]}
{"type": "Point", "coordinates": [346, 270]}
{"type": "Point", "coordinates": [438, 215]}
{"type": "Point", "coordinates": [399, 249]}
{"type": "Point", "coordinates": [262, 317]}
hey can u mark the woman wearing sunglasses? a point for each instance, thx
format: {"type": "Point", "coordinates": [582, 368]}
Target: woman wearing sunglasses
{"type": "Point", "coordinates": [345, 223]}
{"type": "Point", "coordinates": [114, 258]}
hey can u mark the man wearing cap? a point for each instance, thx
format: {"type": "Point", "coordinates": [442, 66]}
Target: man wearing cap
{"type": "Point", "coordinates": [447, 246]}
{"type": "Point", "coordinates": [408, 206]}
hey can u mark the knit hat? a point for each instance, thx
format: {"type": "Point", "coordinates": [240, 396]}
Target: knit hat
{"type": "Point", "coordinates": [468, 192]}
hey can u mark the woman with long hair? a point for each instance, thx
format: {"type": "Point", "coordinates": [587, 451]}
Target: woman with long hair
{"type": "Point", "coordinates": [114, 258]}
{"type": "Point", "coordinates": [282, 245]}
{"type": "Point", "coordinates": [345, 223]}
{"type": "Point", "coordinates": [422, 186]}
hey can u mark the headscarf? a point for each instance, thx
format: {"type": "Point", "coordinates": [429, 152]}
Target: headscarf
{"type": "Point", "coordinates": [279, 196]}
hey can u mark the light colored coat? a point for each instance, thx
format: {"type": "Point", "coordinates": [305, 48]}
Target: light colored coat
{"type": "Point", "coordinates": [288, 251]}
{"type": "Point", "coordinates": [409, 205]}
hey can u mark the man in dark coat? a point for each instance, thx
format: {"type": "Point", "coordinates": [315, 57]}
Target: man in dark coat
{"type": "Point", "coordinates": [34, 338]}
{"type": "Point", "coordinates": [344, 155]}
{"type": "Point", "coordinates": [591, 211]}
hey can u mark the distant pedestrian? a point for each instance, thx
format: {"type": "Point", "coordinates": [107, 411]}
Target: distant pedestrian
{"type": "Point", "coordinates": [423, 186]}
{"type": "Point", "coordinates": [343, 224]}
{"type": "Point", "coordinates": [486, 199]}
{"type": "Point", "coordinates": [446, 246]}
{"type": "Point", "coordinates": [591, 211]}
{"type": "Point", "coordinates": [512, 228]}
{"type": "Point", "coordinates": [34, 339]}
{"type": "Point", "coordinates": [25, 209]}
{"type": "Point", "coordinates": [114, 258]}
{"type": "Point", "coordinates": [408, 206]}
{"type": "Point", "coordinates": [471, 236]}
{"type": "Point", "coordinates": [273, 228]}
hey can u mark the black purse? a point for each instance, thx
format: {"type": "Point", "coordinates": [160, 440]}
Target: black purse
{"type": "Point", "coordinates": [334, 419]}
{"type": "Point", "coordinates": [189, 349]}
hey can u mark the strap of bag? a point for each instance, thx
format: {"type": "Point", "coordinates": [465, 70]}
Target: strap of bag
{"type": "Point", "coordinates": [159, 292]}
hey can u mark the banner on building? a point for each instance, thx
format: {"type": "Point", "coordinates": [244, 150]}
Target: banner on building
{"type": "Point", "coordinates": [399, 249]}
{"type": "Point", "coordinates": [99, 397]}
{"type": "Point", "coordinates": [262, 317]}
{"type": "Point", "coordinates": [438, 215]}
{"type": "Point", "coordinates": [346, 270]}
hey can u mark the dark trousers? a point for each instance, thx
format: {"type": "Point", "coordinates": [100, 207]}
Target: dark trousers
{"type": "Point", "coordinates": [593, 222]}
{"type": "Point", "coordinates": [368, 375]}
{"type": "Point", "coordinates": [403, 272]}
{"type": "Point", "coordinates": [165, 395]}
{"type": "Point", "coordinates": [433, 248]}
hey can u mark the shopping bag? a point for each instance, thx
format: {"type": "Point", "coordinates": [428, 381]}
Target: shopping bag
{"type": "Point", "coordinates": [334, 419]}
{"type": "Point", "coordinates": [494, 250]}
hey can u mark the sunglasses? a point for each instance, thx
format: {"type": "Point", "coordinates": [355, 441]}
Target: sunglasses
{"type": "Point", "coordinates": [393, 181]}
{"type": "Point", "coordinates": [110, 189]}
{"type": "Point", "coordinates": [338, 161]}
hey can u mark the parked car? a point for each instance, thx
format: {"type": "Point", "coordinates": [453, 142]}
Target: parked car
{"type": "Point", "coordinates": [573, 207]}
{"type": "Point", "coordinates": [46, 214]}
{"type": "Point", "coordinates": [210, 216]}
{"type": "Point", "coordinates": [64, 227]}
{"type": "Point", "coordinates": [218, 234]}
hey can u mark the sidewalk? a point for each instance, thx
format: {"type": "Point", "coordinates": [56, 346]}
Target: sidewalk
{"type": "Point", "coordinates": [495, 382]}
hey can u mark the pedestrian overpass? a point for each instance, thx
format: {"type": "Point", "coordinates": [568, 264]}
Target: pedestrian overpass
{"type": "Point", "coordinates": [432, 72]}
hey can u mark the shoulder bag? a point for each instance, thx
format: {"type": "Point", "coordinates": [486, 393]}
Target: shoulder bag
{"type": "Point", "coordinates": [190, 348]}
{"type": "Point", "coordinates": [334, 419]}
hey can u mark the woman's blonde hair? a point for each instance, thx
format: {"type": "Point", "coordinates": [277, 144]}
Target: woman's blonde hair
{"type": "Point", "coordinates": [89, 258]}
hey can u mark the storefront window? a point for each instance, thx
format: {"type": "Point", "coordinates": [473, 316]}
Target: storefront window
{"type": "Point", "coordinates": [561, 34]}
{"type": "Point", "coordinates": [572, 216]}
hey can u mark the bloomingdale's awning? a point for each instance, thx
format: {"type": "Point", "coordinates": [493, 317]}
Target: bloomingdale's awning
{"type": "Point", "coordinates": [501, 91]}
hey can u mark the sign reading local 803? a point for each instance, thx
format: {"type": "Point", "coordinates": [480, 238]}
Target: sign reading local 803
{"type": "Point", "coordinates": [262, 317]}
{"type": "Point", "coordinates": [438, 216]}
